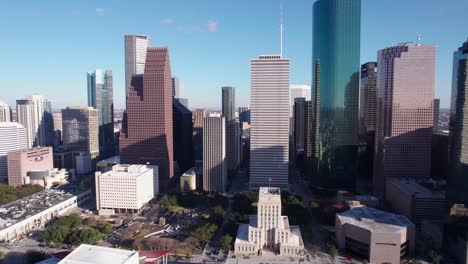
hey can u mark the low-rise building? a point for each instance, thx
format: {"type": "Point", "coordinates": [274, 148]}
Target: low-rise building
{"type": "Point", "coordinates": [374, 235]}
{"type": "Point", "coordinates": [48, 178]}
{"type": "Point", "coordinates": [269, 229]}
{"type": "Point", "coordinates": [97, 255]}
{"type": "Point", "coordinates": [411, 199]}
{"type": "Point", "coordinates": [24, 215]}
{"type": "Point", "coordinates": [20, 162]}
{"type": "Point", "coordinates": [188, 180]}
{"type": "Point", "coordinates": [126, 188]}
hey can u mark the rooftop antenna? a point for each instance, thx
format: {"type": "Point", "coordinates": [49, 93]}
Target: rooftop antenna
{"type": "Point", "coordinates": [418, 39]}
{"type": "Point", "coordinates": [281, 30]}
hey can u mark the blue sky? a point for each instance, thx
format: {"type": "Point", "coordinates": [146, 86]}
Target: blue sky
{"type": "Point", "coordinates": [48, 46]}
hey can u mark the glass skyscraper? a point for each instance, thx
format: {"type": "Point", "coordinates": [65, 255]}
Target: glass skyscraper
{"type": "Point", "coordinates": [100, 96]}
{"type": "Point", "coordinates": [228, 102]}
{"type": "Point", "coordinates": [335, 92]}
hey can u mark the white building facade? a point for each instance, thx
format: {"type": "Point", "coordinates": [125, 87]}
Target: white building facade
{"type": "Point", "coordinates": [296, 91]}
{"type": "Point", "coordinates": [12, 138]}
{"type": "Point", "coordinates": [126, 188]}
{"type": "Point", "coordinates": [5, 112]}
{"type": "Point", "coordinates": [269, 132]}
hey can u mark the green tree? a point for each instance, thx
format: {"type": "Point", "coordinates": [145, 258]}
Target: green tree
{"type": "Point", "coordinates": [56, 234]}
{"type": "Point", "coordinates": [226, 242]}
{"type": "Point", "coordinates": [332, 250]}
{"type": "Point", "coordinates": [168, 200]}
{"type": "Point", "coordinates": [71, 222]}
{"type": "Point", "coordinates": [104, 227]}
{"type": "Point", "coordinates": [204, 233]}
{"type": "Point", "coordinates": [87, 235]}
{"type": "Point", "coordinates": [435, 257]}
{"type": "Point", "coordinates": [217, 214]}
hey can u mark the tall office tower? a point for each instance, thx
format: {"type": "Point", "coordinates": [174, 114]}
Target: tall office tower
{"type": "Point", "coordinates": [228, 102]}
{"type": "Point", "coordinates": [457, 182]}
{"type": "Point", "coordinates": [336, 55]}
{"type": "Point", "coordinates": [405, 107]}
{"type": "Point", "coordinates": [135, 57]}
{"type": "Point", "coordinates": [5, 112]}
{"type": "Point", "coordinates": [435, 126]}
{"type": "Point", "coordinates": [147, 135]}
{"type": "Point", "coordinates": [308, 139]}
{"type": "Point", "coordinates": [214, 154]}
{"type": "Point", "coordinates": [100, 96]}
{"type": "Point", "coordinates": [296, 91]}
{"type": "Point", "coordinates": [269, 132]}
{"type": "Point", "coordinates": [12, 137]}
{"type": "Point", "coordinates": [244, 114]}
{"type": "Point", "coordinates": [299, 124]}
{"type": "Point", "coordinates": [233, 145]}
{"type": "Point", "coordinates": [183, 101]}
{"type": "Point", "coordinates": [368, 101]}
{"type": "Point", "coordinates": [81, 130]}
{"type": "Point", "coordinates": [177, 87]}
{"type": "Point", "coordinates": [35, 114]}
{"type": "Point", "coordinates": [200, 114]}
{"type": "Point", "coordinates": [183, 131]}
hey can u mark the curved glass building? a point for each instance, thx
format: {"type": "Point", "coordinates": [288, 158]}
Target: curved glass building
{"type": "Point", "coordinates": [335, 92]}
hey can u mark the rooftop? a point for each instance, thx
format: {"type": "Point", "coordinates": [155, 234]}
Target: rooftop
{"type": "Point", "coordinates": [190, 172]}
{"type": "Point", "coordinates": [412, 187]}
{"type": "Point", "coordinates": [11, 124]}
{"type": "Point", "coordinates": [269, 194]}
{"type": "Point", "coordinates": [374, 220]}
{"type": "Point", "coordinates": [24, 208]}
{"type": "Point", "coordinates": [123, 170]}
{"type": "Point", "coordinates": [111, 160]}
{"type": "Point", "coordinates": [94, 254]}
{"type": "Point", "coordinates": [242, 234]}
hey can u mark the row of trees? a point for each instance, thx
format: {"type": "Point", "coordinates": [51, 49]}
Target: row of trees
{"type": "Point", "coordinates": [192, 200]}
{"type": "Point", "coordinates": [71, 230]}
{"type": "Point", "coordinates": [9, 193]}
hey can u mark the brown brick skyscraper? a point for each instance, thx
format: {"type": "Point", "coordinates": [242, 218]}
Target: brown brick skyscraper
{"type": "Point", "coordinates": [146, 135]}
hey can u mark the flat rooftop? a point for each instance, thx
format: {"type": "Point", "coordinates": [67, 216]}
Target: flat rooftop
{"type": "Point", "coordinates": [95, 254]}
{"type": "Point", "coordinates": [29, 206]}
{"type": "Point", "coordinates": [374, 220]}
{"type": "Point", "coordinates": [127, 171]}
{"type": "Point", "coordinates": [412, 187]}
{"type": "Point", "coordinates": [111, 160]}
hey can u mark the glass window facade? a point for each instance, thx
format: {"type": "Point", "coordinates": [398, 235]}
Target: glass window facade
{"type": "Point", "coordinates": [335, 92]}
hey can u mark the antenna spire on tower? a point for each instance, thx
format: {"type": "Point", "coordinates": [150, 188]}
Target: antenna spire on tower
{"type": "Point", "coordinates": [281, 30]}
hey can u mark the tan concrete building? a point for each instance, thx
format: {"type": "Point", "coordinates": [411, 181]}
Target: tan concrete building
{"type": "Point", "coordinates": [21, 162]}
{"type": "Point", "coordinates": [268, 229]}
{"type": "Point", "coordinates": [377, 236]}
{"type": "Point", "coordinates": [188, 181]}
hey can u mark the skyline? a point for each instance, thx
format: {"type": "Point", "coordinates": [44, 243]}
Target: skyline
{"type": "Point", "coordinates": [89, 35]}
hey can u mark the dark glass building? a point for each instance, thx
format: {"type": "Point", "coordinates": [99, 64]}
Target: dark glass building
{"type": "Point", "coordinates": [457, 184]}
{"type": "Point", "coordinates": [229, 102]}
{"type": "Point", "coordinates": [335, 92]}
{"type": "Point", "coordinates": [182, 125]}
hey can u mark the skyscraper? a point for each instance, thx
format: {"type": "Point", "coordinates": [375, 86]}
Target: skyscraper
{"type": "Point", "coordinates": [177, 87]}
{"type": "Point", "coordinates": [198, 134]}
{"type": "Point", "coordinates": [299, 123]}
{"type": "Point", "coordinates": [35, 114]}
{"type": "Point", "coordinates": [100, 96]}
{"type": "Point", "coordinates": [405, 103]}
{"type": "Point", "coordinates": [457, 182]}
{"type": "Point", "coordinates": [308, 150]}
{"type": "Point", "coordinates": [244, 114]}
{"type": "Point", "coordinates": [12, 137]}
{"type": "Point", "coordinates": [269, 132]}
{"type": "Point", "coordinates": [233, 145]}
{"type": "Point", "coordinates": [81, 130]}
{"type": "Point", "coordinates": [214, 154]}
{"type": "Point", "coordinates": [5, 112]}
{"type": "Point", "coordinates": [335, 92]}
{"type": "Point", "coordinates": [368, 100]}
{"type": "Point", "coordinates": [296, 91]}
{"type": "Point", "coordinates": [435, 126]}
{"type": "Point", "coordinates": [147, 135]}
{"type": "Point", "coordinates": [182, 125]}
{"type": "Point", "coordinates": [135, 57]}
{"type": "Point", "coordinates": [228, 102]}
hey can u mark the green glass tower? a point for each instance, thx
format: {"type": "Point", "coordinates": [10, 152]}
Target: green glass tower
{"type": "Point", "coordinates": [335, 92]}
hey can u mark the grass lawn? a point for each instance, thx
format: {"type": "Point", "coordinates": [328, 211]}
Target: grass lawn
{"type": "Point", "coordinates": [176, 208]}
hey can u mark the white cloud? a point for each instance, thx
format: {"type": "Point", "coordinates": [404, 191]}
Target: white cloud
{"type": "Point", "coordinates": [212, 25]}
{"type": "Point", "coordinates": [167, 21]}
{"type": "Point", "coordinates": [100, 11]}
